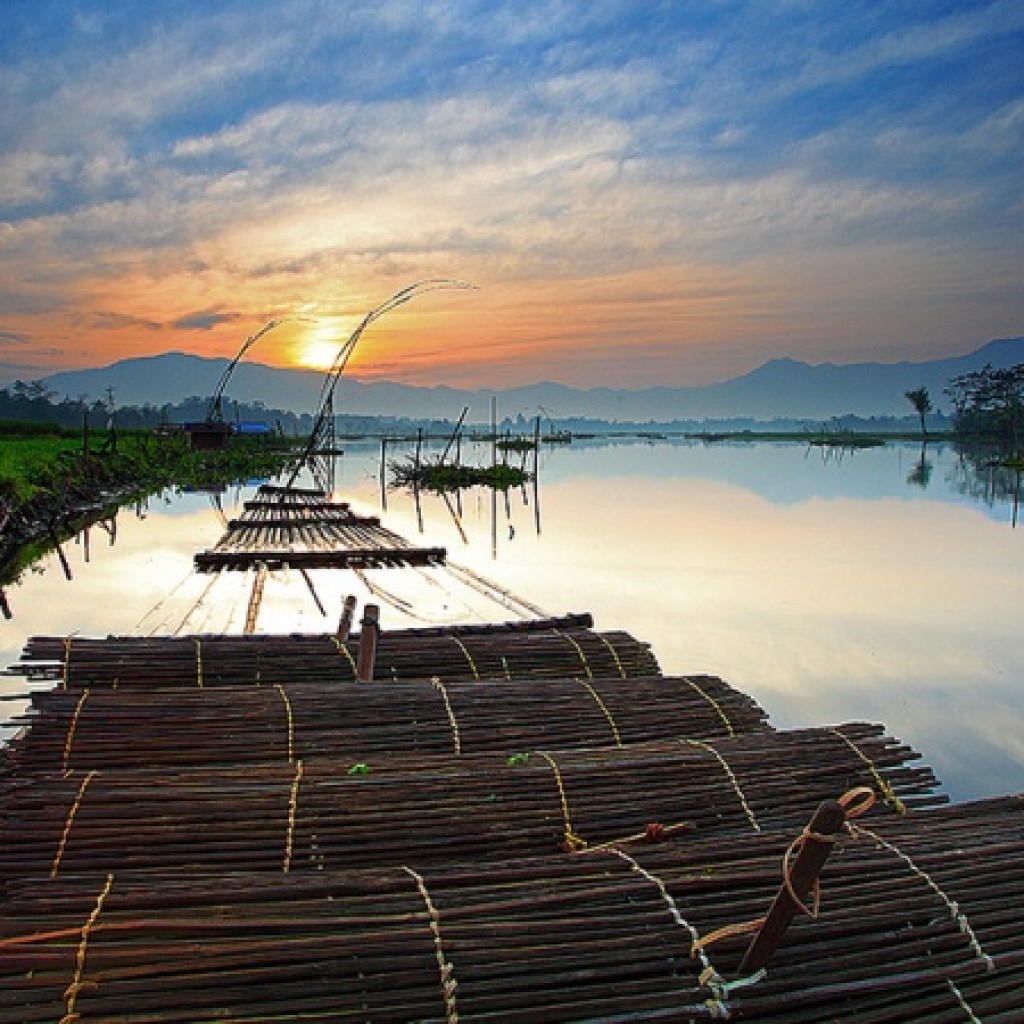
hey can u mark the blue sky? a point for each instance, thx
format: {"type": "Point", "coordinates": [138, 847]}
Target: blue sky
{"type": "Point", "coordinates": [645, 193]}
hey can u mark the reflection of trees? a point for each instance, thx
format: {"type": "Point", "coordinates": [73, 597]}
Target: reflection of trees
{"type": "Point", "coordinates": [977, 475]}
{"type": "Point", "coordinates": [921, 474]}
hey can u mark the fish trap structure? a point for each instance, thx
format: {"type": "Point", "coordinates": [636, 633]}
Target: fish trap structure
{"type": "Point", "coordinates": [908, 928]}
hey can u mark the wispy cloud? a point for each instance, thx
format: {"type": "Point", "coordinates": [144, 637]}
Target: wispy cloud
{"type": "Point", "coordinates": [262, 157]}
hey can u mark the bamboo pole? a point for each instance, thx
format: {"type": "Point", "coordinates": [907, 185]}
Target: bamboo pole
{"type": "Point", "coordinates": [368, 643]}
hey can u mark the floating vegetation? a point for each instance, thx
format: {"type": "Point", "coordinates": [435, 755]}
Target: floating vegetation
{"type": "Point", "coordinates": [516, 444]}
{"type": "Point", "coordinates": [443, 477]}
{"type": "Point", "coordinates": [846, 439]}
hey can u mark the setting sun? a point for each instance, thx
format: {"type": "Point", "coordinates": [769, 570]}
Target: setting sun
{"type": "Point", "coordinates": [317, 347]}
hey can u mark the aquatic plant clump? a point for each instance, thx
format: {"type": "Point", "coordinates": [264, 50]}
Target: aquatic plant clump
{"type": "Point", "coordinates": [443, 477]}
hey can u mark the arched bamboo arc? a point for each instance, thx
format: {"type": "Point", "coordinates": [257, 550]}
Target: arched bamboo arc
{"type": "Point", "coordinates": [214, 413]}
{"type": "Point", "coordinates": [326, 401]}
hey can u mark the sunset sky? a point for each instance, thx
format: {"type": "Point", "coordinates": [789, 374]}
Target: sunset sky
{"type": "Point", "coordinates": [643, 192]}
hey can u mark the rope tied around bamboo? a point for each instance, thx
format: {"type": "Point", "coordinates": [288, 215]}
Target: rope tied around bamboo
{"type": "Point", "coordinates": [571, 841]}
{"type": "Point", "coordinates": [801, 867]}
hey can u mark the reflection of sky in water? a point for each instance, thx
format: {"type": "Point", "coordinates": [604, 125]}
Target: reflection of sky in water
{"type": "Point", "coordinates": [830, 590]}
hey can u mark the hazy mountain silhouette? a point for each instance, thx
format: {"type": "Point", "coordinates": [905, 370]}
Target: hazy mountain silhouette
{"type": "Point", "coordinates": [781, 388]}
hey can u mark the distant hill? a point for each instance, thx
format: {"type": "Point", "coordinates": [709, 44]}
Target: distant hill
{"type": "Point", "coordinates": [780, 389]}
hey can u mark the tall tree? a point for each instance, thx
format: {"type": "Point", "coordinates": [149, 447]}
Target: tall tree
{"type": "Point", "coordinates": [990, 402]}
{"type": "Point", "coordinates": [922, 403]}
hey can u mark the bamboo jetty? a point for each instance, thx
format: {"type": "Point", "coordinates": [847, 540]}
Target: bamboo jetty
{"type": "Point", "coordinates": [508, 823]}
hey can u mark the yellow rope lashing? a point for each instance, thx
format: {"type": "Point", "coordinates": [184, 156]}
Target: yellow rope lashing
{"type": "Point", "coordinates": [342, 649]}
{"type": "Point", "coordinates": [445, 967]}
{"type": "Point", "coordinates": [76, 986]}
{"type": "Point", "coordinates": [572, 841]}
{"type": "Point", "coordinates": [440, 687]}
{"type": "Point", "coordinates": [888, 793]}
{"type": "Point", "coordinates": [293, 805]}
{"type": "Point", "coordinates": [579, 651]}
{"type": "Point", "coordinates": [59, 855]}
{"type": "Point", "coordinates": [199, 663]}
{"type": "Point", "coordinates": [615, 654]}
{"type": "Point", "coordinates": [732, 778]}
{"type": "Point", "coordinates": [291, 723]}
{"type": "Point", "coordinates": [67, 663]}
{"type": "Point", "coordinates": [604, 708]}
{"type": "Point", "coordinates": [469, 657]}
{"type": "Point", "coordinates": [714, 703]}
{"type": "Point", "coordinates": [66, 757]}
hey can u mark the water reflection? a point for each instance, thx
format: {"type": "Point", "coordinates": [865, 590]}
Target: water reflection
{"type": "Point", "coordinates": [830, 590]}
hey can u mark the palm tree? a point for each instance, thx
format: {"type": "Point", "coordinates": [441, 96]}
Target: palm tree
{"type": "Point", "coordinates": [922, 403]}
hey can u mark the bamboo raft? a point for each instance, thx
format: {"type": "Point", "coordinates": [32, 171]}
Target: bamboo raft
{"type": "Point", "coordinates": [104, 728]}
{"type": "Point", "coordinates": [324, 814]}
{"type": "Point", "coordinates": [912, 927]}
{"type": "Point", "coordinates": [305, 530]}
{"type": "Point", "coordinates": [507, 824]}
{"type": "Point", "coordinates": [553, 648]}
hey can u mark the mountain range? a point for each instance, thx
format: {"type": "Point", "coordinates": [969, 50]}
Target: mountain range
{"type": "Point", "coordinates": [779, 389]}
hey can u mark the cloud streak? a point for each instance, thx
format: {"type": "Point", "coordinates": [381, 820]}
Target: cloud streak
{"type": "Point", "coordinates": [574, 159]}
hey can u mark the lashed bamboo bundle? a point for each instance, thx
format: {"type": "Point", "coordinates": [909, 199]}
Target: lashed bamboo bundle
{"type": "Point", "coordinates": [302, 528]}
{"type": "Point", "coordinates": [425, 811]}
{"type": "Point", "coordinates": [135, 728]}
{"type": "Point", "coordinates": [919, 921]}
{"type": "Point", "coordinates": [214, 660]}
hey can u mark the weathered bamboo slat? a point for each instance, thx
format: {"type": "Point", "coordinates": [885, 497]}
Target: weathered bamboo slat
{"type": "Point", "coordinates": [124, 728]}
{"type": "Point", "coordinates": [330, 814]}
{"type": "Point", "coordinates": [919, 921]}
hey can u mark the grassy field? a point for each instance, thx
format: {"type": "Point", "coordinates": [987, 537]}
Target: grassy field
{"type": "Point", "coordinates": [49, 461]}
{"type": "Point", "coordinates": [27, 464]}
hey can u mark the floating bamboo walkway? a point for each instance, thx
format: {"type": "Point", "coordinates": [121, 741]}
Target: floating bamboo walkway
{"type": "Point", "coordinates": [325, 814]}
{"type": "Point", "coordinates": [520, 823]}
{"type": "Point", "coordinates": [919, 921]}
{"type": "Point", "coordinates": [303, 529]}
{"type": "Point", "coordinates": [133, 728]}
{"type": "Point", "coordinates": [555, 648]}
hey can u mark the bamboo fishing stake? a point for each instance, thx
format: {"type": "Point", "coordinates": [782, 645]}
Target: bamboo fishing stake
{"type": "Point", "coordinates": [347, 614]}
{"type": "Point", "coordinates": [814, 846]}
{"type": "Point", "coordinates": [368, 643]}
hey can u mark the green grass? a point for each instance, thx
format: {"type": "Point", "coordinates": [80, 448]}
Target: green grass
{"type": "Point", "coordinates": [29, 464]}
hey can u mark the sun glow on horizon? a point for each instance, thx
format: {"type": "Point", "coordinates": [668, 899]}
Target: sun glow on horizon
{"type": "Point", "coordinates": [317, 347]}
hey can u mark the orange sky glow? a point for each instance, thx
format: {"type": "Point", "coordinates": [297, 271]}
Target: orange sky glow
{"type": "Point", "coordinates": [642, 195]}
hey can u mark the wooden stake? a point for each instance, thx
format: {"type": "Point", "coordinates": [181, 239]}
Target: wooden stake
{"type": "Point", "coordinates": [347, 614]}
{"type": "Point", "coordinates": [814, 852]}
{"type": "Point", "coordinates": [368, 643]}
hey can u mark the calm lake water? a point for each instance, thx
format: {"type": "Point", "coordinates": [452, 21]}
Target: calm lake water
{"type": "Point", "coordinates": [871, 586]}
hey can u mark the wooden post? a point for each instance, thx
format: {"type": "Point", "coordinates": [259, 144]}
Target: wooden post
{"type": "Point", "coordinates": [370, 629]}
{"type": "Point", "coordinates": [827, 821]}
{"type": "Point", "coordinates": [347, 614]}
